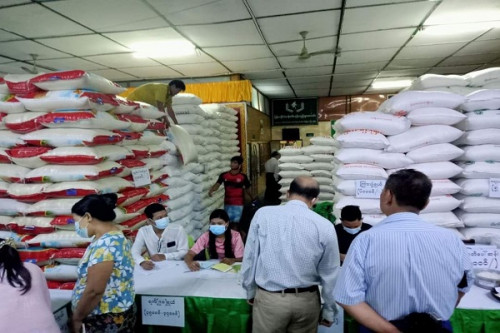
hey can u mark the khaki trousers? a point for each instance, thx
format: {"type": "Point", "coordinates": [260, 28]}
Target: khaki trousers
{"type": "Point", "coordinates": [280, 313]}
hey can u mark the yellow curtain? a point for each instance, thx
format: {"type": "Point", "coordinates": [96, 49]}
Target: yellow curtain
{"type": "Point", "coordinates": [217, 92]}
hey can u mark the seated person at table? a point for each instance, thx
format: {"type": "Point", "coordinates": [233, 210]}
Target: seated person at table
{"type": "Point", "coordinates": [352, 225]}
{"type": "Point", "coordinates": [221, 242]}
{"type": "Point", "coordinates": [163, 241]}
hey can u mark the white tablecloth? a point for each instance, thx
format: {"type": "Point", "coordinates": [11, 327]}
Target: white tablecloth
{"type": "Point", "coordinates": [59, 298]}
{"type": "Point", "coordinates": [479, 299]}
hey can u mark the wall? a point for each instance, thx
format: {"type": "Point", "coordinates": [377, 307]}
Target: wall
{"type": "Point", "coordinates": [321, 129]}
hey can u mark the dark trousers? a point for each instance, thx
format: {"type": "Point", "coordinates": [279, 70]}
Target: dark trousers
{"type": "Point", "coordinates": [272, 194]}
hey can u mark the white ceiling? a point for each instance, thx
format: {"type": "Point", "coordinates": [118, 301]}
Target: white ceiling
{"type": "Point", "coordinates": [386, 39]}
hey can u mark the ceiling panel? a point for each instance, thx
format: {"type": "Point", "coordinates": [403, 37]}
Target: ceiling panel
{"type": "Point", "coordinates": [491, 34]}
{"type": "Point", "coordinates": [13, 2]}
{"type": "Point", "coordinates": [122, 60]}
{"type": "Point", "coordinates": [354, 77]}
{"type": "Point", "coordinates": [33, 21]}
{"type": "Point", "coordinates": [454, 11]}
{"type": "Point", "coordinates": [487, 46]}
{"type": "Point", "coordinates": [275, 91]}
{"type": "Point", "coordinates": [432, 37]}
{"type": "Point", "coordinates": [275, 74]}
{"type": "Point", "coordinates": [4, 36]}
{"type": "Point", "coordinates": [312, 92]}
{"type": "Point", "coordinates": [114, 75]}
{"type": "Point", "coordinates": [375, 39]}
{"type": "Point", "coordinates": [270, 83]}
{"type": "Point", "coordinates": [204, 69]}
{"type": "Point", "coordinates": [114, 15]}
{"type": "Point", "coordinates": [152, 72]}
{"type": "Point", "coordinates": [4, 60]}
{"type": "Point", "coordinates": [376, 18]}
{"type": "Point", "coordinates": [281, 28]}
{"type": "Point", "coordinates": [313, 45]}
{"type": "Point", "coordinates": [320, 70]}
{"type": "Point", "coordinates": [295, 62]}
{"type": "Point", "coordinates": [243, 32]}
{"type": "Point", "coordinates": [310, 79]}
{"type": "Point", "coordinates": [13, 68]}
{"type": "Point", "coordinates": [206, 12]}
{"type": "Point", "coordinates": [21, 50]}
{"type": "Point", "coordinates": [359, 57]}
{"type": "Point", "coordinates": [397, 64]}
{"type": "Point", "coordinates": [149, 36]}
{"type": "Point", "coordinates": [347, 91]}
{"type": "Point", "coordinates": [404, 72]}
{"type": "Point", "coordinates": [356, 68]}
{"type": "Point", "coordinates": [429, 51]}
{"type": "Point", "coordinates": [196, 58]}
{"type": "Point", "coordinates": [453, 69]}
{"type": "Point", "coordinates": [246, 52]}
{"type": "Point", "coordinates": [84, 45]}
{"type": "Point", "coordinates": [351, 83]}
{"type": "Point", "coordinates": [269, 8]}
{"type": "Point", "coordinates": [358, 3]}
{"type": "Point", "coordinates": [252, 65]}
{"type": "Point", "coordinates": [70, 63]}
{"type": "Point", "coordinates": [469, 59]}
{"type": "Point", "coordinates": [317, 85]}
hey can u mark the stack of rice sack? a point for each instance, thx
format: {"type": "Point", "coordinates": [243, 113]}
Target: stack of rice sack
{"type": "Point", "coordinates": [362, 141]}
{"type": "Point", "coordinates": [292, 164]}
{"type": "Point", "coordinates": [321, 151]}
{"type": "Point", "coordinates": [65, 135]}
{"type": "Point", "coordinates": [480, 162]}
{"type": "Point", "coordinates": [428, 144]}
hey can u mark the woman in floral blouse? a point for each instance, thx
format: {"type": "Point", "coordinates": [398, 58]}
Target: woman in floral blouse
{"type": "Point", "coordinates": [103, 298]}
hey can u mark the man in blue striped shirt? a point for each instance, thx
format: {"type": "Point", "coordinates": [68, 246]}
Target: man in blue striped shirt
{"type": "Point", "coordinates": [404, 267]}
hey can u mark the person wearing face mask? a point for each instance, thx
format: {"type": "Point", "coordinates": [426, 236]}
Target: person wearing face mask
{"type": "Point", "coordinates": [103, 297]}
{"type": "Point", "coordinates": [351, 226]}
{"type": "Point", "coordinates": [161, 240]}
{"type": "Point", "coordinates": [221, 241]}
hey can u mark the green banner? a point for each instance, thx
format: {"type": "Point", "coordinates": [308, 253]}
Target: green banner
{"type": "Point", "coordinates": [299, 111]}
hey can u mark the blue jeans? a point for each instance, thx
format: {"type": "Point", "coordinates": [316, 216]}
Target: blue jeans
{"type": "Point", "coordinates": [234, 212]}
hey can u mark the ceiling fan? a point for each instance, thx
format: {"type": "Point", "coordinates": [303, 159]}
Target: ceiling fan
{"type": "Point", "coordinates": [34, 69]}
{"type": "Point", "coordinates": [305, 54]}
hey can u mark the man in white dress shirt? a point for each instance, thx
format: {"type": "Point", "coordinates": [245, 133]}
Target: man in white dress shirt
{"type": "Point", "coordinates": [272, 194]}
{"type": "Point", "coordinates": [162, 240]}
{"type": "Point", "coordinates": [291, 250]}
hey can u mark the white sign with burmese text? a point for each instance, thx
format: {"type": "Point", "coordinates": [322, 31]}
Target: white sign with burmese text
{"type": "Point", "coordinates": [141, 176]}
{"type": "Point", "coordinates": [484, 256]}
{"type": "Point", "coordinates": [163, 311]}
{"type": "Point", "coordinates": [369, 189]}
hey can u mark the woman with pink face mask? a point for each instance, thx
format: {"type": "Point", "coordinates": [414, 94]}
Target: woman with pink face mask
{"type": "Point", "coordinates": [221, 242]}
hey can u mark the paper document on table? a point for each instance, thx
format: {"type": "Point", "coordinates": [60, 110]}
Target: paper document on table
{"type": "Point", "coordinates": [206, 264]}
{"type": "Point", "coordinates": [222, 267]}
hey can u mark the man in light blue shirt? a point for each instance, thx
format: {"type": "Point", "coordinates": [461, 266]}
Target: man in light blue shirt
{"type": "Point", "coordinates": [404, 270]}
{"type": "Point", "coordinates": [291, 250]}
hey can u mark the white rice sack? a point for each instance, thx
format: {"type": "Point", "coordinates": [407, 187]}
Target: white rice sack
{"type": "Point", "coordinates": [11, 207]}
{"type": "Point", "coordinates": [76, 79]}
{"type": "Point", "coordinates": [321, 173]}
{"type": "Point", "coordinates": [113, 184]}
{"type": "Point", "coordinates": [293, 174]}
{"type": "Point", "coordinates": [59, 137]}
{"type": "Point", "coordinates": [124, 106]}
{"type": "Point", "coordinates": [9, 139]}
{"type": "Point", "coordinates": [290, 166]}
{"type": "Point", "coordinates": [360, 171]}
{"type": "Point", "coordinates": [193, 129]}
{"type": "Point", "coordinates": [4, 157]}
{"type": "Point", "coordinates": [4, 187]}
{"type": "Point", "coordinates": [487, 99]}
{"type": "Point", "coordinates": [11, 173]}
{"type": "Point", "coordinates": [318, 166]}
{"type": "Point", "coordinates": [480, 169]}
{"type": "Point", "coordinates": [480, 137]}
{"type": "Point", "coordinates": [325, 196]}
{"type": "Point", "coordinates": [70, 189]}
{"type": "Point", "coordinates": [61, 272]}
{"type": "Point", "coordinates": [285, 182]}
{"type": "Point", "coordinates": [29, 157]}
{"type": "Point", "coordinates": [480, 205]}
{"type": "Point", "coordinates": [441, 203]}
{"type": "Point", "coordinates": [344, 187]}
{"type": "Point", "coordinates": [322, 141]}
{"type": "Point", "coordinates": [481, 220]}
{"type": "Point", "coordinates": [152, 138]}
{"type": "Point", "coordinates": [326, 189]}
{"type": "Point", "coordinates": [482, 235]}
{"type": "Point", "coordinates": [60, 239]}
{"type": "Point", "coordinates": [189, 109]}
{"type": "Point", "coordinates": [184, 143]}
{"type": "Point", "coordinates": [421, 136]}
{"type": "Point", "coordinates": [296, 159]}
{"type": "Point", "coordinates": [480, 120]}
{"type": "Point", "coordinates": [361, 139]}
{"type": "Point", "coordinates": [189, 119]}
{"type": "Point", "coordinates": [98, 120]}
{"type": "Point", "coordinates": [322, 157]}
{"type": "Point", "coordinates": [186, 98]}
{"type": "Point", "coordinates": [147, 111]}
{"type": "Point", "coordinates": [481, 153]}
{"type": "Point", "coordinates": [443, 219]}
{"type": "Point", "coordinates": [407, 101]}
{"type": "Point", "coordinates": [69, 100]}
{"type": "Point", "coordinates": [386, 124]}
{"type": "Point", "coordinates": [67, 173]}
{"type": "Point", "coordinates": [435, 170]}
{"type": "Point", "coordinates": [52, 207]}
{"type": "Point", "coordinates": [435, 116]}
{"type": "Point", "coordinates": [10, 104]}
{"type": "Point", "coordinates": [24, 122]}
{"type": "Point", "coordinates": [492, 85]}
{"type": "Point", "coordinates": [313, 150]}
{"type": "Point", "coordinates": [435, 153]}
{"type": "Point", "coordinates": [27, 192]}
{"type": "Point", "coordinates": [177, 192]}
{"type": "Point", "coordinates": [180, 202]}
{"type": "Point", "coordinates": [367, 206]}
{"type": "Point", "coordinates": [482, 77]}
{"type": "Point", "coordinates": [443, 187]}
{"type": "Point", "coordinates": [372, 156]}
{"type": "Point", "coordinates": [436, 80]}
{"type": "Point", "coordinates": [474, 187]}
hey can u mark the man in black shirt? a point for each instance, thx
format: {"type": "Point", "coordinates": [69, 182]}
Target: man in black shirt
{"type": "Point", "coordinates": [351, 226]}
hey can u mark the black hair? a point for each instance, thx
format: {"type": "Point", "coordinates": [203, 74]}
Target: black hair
{"type": "Point", "coordinates": [100, 206]}
{"type": "Point", "coordinates": [410, 188]}
{"type": "Point", "coordinates": [18, 276]}
{"type": "Point", "coordinates": [153, 208]}
{"type": "Point", "coordinates": [350, 213]}
{"type": "Point", "coordinates": [238, 159]}
{"type": "Point", "coordinates": [228, 247]}
{"type": "Point", "coordinates": [304, 191]}
{"type": "Point", "coordinates": [178, 84]}
{"type": "Point", "coordinates": [274, 154]}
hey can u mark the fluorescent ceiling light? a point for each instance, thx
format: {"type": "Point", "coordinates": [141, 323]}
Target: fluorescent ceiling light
{"type": "Point", "coordinates": [453, 29]}
{"type": "Point", "coordinates": [391, 84]}
{"type": "Point", "coordinates": [171, 49]}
